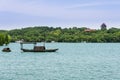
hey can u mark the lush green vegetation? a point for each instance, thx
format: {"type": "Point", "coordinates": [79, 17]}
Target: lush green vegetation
{"type": "Point", "coordinates": [64, 35]}
{"type": "Point", "coordinates": [4, 39]}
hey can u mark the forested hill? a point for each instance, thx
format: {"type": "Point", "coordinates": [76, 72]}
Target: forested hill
{"type": "Point", "coordinates": [65, 35]}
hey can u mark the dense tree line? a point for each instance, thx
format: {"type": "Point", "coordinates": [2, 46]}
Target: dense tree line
{"type": "Point", "coordinates": [48, 34]}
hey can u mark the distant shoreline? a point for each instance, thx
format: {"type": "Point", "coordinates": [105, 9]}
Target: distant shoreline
{"type": "Point", "coordinates": [76, 35]}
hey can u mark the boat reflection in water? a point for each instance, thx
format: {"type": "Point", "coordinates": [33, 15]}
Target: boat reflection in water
{"type": "Point", "coordinates": [36, 48]}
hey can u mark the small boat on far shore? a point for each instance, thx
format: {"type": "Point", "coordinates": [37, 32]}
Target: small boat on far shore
{"type": "Point", "coordinates": [19, 41]}
{"type": "Point", "coordinates": [36, 48]}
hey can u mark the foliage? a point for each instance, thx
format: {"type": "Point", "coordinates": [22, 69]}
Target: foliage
{"type": "Point", "coordinates": [4, 39]}
{"type": "Point", "coordinates": [48, 34]}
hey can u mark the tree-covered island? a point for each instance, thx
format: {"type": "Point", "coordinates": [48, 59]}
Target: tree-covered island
{"type": "Point", "coordinates": [74, 34]}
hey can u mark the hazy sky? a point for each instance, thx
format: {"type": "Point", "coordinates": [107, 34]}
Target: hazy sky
{"type": "Point", "coordinates": [63, 13]}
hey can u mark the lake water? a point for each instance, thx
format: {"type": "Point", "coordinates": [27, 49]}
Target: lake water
{"type": "Point", "coordinates": [73, 61]}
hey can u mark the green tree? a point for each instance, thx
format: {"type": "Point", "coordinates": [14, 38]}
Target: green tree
{"type": "Point", "coordinates": [4, 39]}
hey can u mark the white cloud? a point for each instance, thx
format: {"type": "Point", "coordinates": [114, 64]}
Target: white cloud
{"type": "Point", "coordinates": [41, 9]}
{"type": "Point", "coordinates": [93, 4]}
{"type": "Point", "coordinates": [46, 10]}
{"type": "Point", "coordinates": [31, 8]}
{"type": "Point", "coordinates": [71, 14]}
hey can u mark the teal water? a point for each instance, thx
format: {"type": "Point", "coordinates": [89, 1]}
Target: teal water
{"type": "Point", "coordinates": [73, 61]}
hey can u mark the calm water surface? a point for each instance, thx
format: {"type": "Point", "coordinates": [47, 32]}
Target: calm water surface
{"type": "Point", "coordinates": [73, 61]}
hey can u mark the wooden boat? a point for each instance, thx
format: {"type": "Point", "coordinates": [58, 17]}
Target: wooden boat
{"type": "Point", "coordinates": [32, 50]}
{"type": "Point", "coordinates": [37, 48]}
{"type": "Point", "coordinates": [6, 50]}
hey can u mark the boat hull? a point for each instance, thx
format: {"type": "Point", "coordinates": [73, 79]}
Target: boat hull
{"type": "Point", "coordinates": [46, 50]}
{"type": "Point", "coordinates": [6, 50]}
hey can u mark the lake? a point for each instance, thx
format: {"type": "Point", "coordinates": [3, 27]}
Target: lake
{"type": "Point", "coordinates": [73, 61]}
